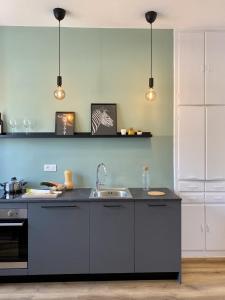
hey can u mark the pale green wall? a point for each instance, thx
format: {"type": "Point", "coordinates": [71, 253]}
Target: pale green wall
{"type": "Point", "coordinates": [98, 65]}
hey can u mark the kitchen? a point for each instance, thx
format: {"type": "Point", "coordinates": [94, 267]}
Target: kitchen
{"type": "Point", "coordinates": [107, 63]}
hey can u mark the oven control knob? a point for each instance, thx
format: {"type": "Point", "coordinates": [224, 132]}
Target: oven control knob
{"type": "Point", "coordinates": [12, 213]}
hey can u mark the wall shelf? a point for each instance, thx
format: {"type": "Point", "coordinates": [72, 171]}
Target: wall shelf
{"type": "Point", "coordinates": [76, 135]}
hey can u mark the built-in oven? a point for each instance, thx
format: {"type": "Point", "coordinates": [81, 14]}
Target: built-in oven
{"type": "Point", "coordinates": [13, 238]}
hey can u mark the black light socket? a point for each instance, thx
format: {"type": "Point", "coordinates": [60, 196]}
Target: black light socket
{"type": "Point", "coordinates": [151, 82]}
{"type": "Point", "coordinates": [151, 16]}
{"type": "Point", "coordinates": [59, 80]}
{"type": "Point", "coordinates": [59, 13]}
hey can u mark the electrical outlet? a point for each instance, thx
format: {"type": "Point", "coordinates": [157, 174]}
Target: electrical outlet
{"type": "Point", "coordinates": [49, 168]}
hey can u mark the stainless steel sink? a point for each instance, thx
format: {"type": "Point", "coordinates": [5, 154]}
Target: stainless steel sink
{"type": "Point", "coordinates": [113, 193]}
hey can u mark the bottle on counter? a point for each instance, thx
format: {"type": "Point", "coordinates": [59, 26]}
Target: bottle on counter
{"type": "Point", "coordinates": [68, 174]}
{"type": "Point", "coordinates": [1, 124]}
{"type": "Point", "coordinates": [145, 178]}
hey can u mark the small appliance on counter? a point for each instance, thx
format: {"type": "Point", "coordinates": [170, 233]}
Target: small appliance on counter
{"type": "Point", "coordinates": [14, 186]}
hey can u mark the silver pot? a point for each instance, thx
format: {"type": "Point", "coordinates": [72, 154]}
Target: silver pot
{"type": "Point", "coordinates": [13, 186]}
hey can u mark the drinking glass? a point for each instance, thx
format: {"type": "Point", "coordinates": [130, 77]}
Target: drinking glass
{"type": "Point", "coordinates": [13, 125]}
{"type": "Point", "coordinates": [27, 125]}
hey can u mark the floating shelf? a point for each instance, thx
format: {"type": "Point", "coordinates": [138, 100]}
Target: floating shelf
{"type": "Point", "coordinates": [76, 135]}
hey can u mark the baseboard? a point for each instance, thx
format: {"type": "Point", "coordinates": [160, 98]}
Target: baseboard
{"type": "Point", "coordinates": [93, 277]}
{"type": "Point", "coordinates": [203, 259]}
{"type": "Point", "coordinates": [202, 254]}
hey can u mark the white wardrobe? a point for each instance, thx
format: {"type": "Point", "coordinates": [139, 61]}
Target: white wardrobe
{"type": "Point", "coordinates": [199, 139]}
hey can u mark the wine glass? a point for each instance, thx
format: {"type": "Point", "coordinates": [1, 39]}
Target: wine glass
{"type": "Point", "coordinates": [27, 125]}
{"type": "Point", "coordinates": [13, 125]}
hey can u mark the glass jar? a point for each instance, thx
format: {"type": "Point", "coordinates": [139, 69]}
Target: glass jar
{"type": "Point", "coordinates": [145, 178]}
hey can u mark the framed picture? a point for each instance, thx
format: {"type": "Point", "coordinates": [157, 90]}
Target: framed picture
{"type": "Point", "coordinates": [64, 123]}
{"type": "Point", "coordinates": [103, 119]}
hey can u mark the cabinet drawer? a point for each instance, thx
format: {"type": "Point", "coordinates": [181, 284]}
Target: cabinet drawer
{"type": "Point", "coordinates": [13, 205]}
{"type": "Point", "coordinates": [192, 197]}
{"type": "Point", "coordinates": [191, 186]}
{"type": "Point", "coordinates": [217, 186]}
{"type": "Point", "coordinates": [215, 197]}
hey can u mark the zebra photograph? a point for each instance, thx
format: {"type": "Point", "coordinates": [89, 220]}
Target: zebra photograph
{"type": "Point", "coordinates": [103, 119]}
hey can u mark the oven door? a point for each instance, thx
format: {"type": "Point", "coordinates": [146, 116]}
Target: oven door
{"type": "Point", "coordinates": [13, 243]}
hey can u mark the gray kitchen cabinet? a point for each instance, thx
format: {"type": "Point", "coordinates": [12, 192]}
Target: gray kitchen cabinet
{"type": "Point", "coordinates": [157, 236]}
{"type": "Point", "coordinates": [112, 237]}
{"type": "Point", "coordinates": [58, 240]}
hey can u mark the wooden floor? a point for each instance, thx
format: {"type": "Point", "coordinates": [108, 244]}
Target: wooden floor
{"type": "Point", "coordinates": [202, 280]}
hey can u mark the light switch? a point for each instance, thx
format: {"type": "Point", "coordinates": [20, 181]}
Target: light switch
{"type": "Point", "coordinates": [50, 168]}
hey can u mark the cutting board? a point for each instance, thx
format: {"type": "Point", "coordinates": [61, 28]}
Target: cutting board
{"type": "Point", "coordinates": [156, 193]}
{"type": "Point", "coordinates": [46, 194]}
{"type": "Point", "coordinates": [36, 195]}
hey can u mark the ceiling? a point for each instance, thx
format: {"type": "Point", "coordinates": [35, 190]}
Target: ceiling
{"type": "Point", "coordinates": [115, 13]}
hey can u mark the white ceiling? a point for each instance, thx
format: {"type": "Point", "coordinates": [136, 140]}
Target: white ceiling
{"type": "Point", "coordinates": [115, 13]}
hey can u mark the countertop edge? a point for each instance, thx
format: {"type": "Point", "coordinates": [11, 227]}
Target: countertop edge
{"type": "Point", "coordinates": [82, 195]}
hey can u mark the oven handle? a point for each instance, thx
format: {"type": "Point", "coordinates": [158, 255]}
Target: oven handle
{"type": "Point", "coordinates": [11, 224]}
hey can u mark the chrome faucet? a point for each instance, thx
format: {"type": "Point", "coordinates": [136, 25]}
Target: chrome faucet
{"type": "Point", "coordinates": [98, 183]}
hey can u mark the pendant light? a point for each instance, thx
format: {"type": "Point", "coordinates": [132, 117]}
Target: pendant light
{"type": "Point", "coordinates": [59, 93]}
{"type": "Point", "coordinates": [150, 17]}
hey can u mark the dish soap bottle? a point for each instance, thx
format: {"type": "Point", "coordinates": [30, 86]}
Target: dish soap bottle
{"type": "Point", "coordinates": [146, 178]}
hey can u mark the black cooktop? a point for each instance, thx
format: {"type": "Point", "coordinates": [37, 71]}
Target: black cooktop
{"type": "Point", "coordinates": [8, 196]}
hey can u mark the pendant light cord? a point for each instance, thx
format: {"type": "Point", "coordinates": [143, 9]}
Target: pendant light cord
{"type": "Point", "coordinates": [59, 52]}
{"type": "Point", "coordinates": [151, 48]}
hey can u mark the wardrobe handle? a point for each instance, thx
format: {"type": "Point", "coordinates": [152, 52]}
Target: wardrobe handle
{"type": "Point", "coordinates": [202, 228]}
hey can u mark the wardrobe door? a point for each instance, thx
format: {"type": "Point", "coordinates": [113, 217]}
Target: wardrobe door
{"type": "Point", "coordinates": [193, 227]}
{"type": "Point", "coordinates": [191, 143]}
{"type": "Point", "coordinates": [215, 67]}
{"type": "Point", "coordinates": [190, 68]}
{"type": "Point", "coordinates": [215, 143]}
{"type": "Point", "coordinates": [215, 227]}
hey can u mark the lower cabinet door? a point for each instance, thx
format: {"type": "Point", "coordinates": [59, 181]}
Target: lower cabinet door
{"type": "Point", "coordinates": [193, 227]}
{"type": "Point", "coordinates": [215, 227]}
{"type": "Point", "coordinates": [58, 238]}
{"type": "Point", "coordinates": [112, 237]}
{"type": "Point", "coordinates": [157, 236]}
